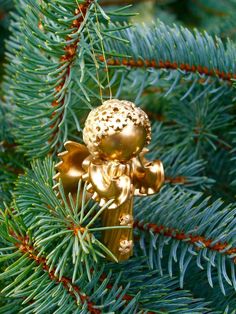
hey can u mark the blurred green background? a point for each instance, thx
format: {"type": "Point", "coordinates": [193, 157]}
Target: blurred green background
{"type": "Point", "coordinates": [5, 7]}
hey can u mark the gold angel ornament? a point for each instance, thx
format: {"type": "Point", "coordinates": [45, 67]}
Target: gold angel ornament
{"type": "Point", "coordinates": [113, 164]}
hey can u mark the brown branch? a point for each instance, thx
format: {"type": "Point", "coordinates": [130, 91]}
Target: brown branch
{"type": "Point", "coordinates": [151, 90]}
{"type": "Point", "coordinates": [8, 145]}
{"type": "Point", "coordinates": [16, 171]}
{"type": "Point", "coordinates": [69, 56]}
{"type": "Point", "coordinates": [109, 286]}
{"type": "Point", "coordinates": [2, 15]}
{"type": "Point", "coordinates": [73, 290]}
{"type": "Point", "coordinates": [126, 297]}
{"type": "Point", "coordinates": [123, 2]}
{"type": "Point", "coordinates": [210, 10]}
{"type": "Point", "coordinates": [225, 146]}
{"type": "Point", "coordinates": [187, 238]}
{"type": "Point", "coordinates": [168, 65]}
{"type": "Point", "coordinates": [155, 116]}
{"type": "Point", "coordinates": [176, 180]}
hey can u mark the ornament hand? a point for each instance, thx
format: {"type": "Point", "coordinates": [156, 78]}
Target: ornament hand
{"type": "Point", "coordinates": [105, 185]}
{"type": "Point", "coordinates": [148, 176]}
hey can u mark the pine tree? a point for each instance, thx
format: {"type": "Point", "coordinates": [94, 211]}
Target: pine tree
{"type": "Point", "coordinates": [63, 58]}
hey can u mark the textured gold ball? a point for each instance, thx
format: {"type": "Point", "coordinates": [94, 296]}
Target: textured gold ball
{"type": "Point", "coordinates": [116, 130]}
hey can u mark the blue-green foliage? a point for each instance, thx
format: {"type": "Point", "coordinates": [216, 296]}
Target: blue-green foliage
{"type": "Point", "coordinates": [154, 290]}
{"type": "Point", "coordinates": [177, 45]}
{"type": "Point", "coordinates": [25, 278]}
{"type": "Point", "coordinates": [233, 160]}
{"type": "Point", "coordinates": [55, 219]}
{"type": "Point", "coordinates": [185, 235]}
{"type": "Point", "coordinates": [11, 162]}
{"type": "Point", "coordinates": [5, 7]}
{"type": "Point", "coordinates": [218, 17]}
{"type": "Point", "coordinates": [212, 221]}
{"type": "Point", "coordinates": [78, 79]}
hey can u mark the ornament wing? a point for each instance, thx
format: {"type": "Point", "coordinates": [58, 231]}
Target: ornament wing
{"type": "Point", "coordinates": [148, 175]}
{"type": "Point", "coordinates": [70, 169]}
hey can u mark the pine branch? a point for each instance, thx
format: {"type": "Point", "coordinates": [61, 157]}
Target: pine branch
{"type": "Point", "coordinates": [233, 160]}
{"type": "Point", "coordinates": [216, 17]}
{"type": "Point", "coordinates": [49, 75]}
{"type": "Point", "coordinates": [157, 294]}
{"type": "Point", "coordinates": [191, 228]}
{"type": "Point", "coordinates": [162, 50]}
{"type": "Point", "coordinates": [6, 137]}
{"type": "Point", "coordinates": [56, 118]}
{"type": "Point", "coordinates": [31, 299]}
{"type": "Point", "coordinates": [11, 165]}
{"type": "Point", "coordinates": [60, 223]}
{"type": "Point", "coordinates": [179, 235]}
{"type": "Point", "coordinates": [195, 146]}
{"type": "Point", "coordinates": [43, 48]}
{"type": "Point", "coordinates": [33, 279]}
{"type": "Point", "coordinates": [9, 305]}
{"type": "Point", "coordinates": [221, 169]}
{"type": "Point", "coordinates": [165, 118]}
{"type": "Point", "coordinates": [132, 63]}
{"type": "Point", "coordinates": [44, 218]}
{"type": "Point", "coordinates": [185, 169]}
{"type": "Point", "coordinates": [68, 58]}
{"type": "Point", "coordinates": [11, 162]}
{"type": "Point", "coordinates": [196, 282]}
{"type": "Point", "coordinates": [27, 249]}
{"type": "Point", "coordinates": [123, 2]}
{"type": "Point", "coordinates": [67, 55]}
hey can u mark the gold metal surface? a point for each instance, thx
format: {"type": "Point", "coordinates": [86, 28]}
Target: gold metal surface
{"type": "Point", "coordinates": [114, 166]}
{"type": "Point", "coordinates": [123, 145]}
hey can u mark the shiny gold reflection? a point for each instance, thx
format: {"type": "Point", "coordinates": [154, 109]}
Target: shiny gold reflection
{"type": "Point", "coordinates": [113, 164]}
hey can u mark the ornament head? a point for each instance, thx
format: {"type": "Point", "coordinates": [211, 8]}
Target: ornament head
{"type": "Point", "coordinates": [116, 130]}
